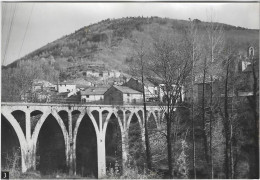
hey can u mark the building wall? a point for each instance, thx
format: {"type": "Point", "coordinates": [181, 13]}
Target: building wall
{"type": "Point", "coordinates": [132, 98]}
{"type": "Point", "coordinates": [113, 96]}
{"type": "Point", "coordinates": [91, 73]}
{"type": "Point", "coordinates": [162, 93]}
{"type": "Point", "coordinates": [66, 88]}
{"type": "Point", "coordinates": [151, 91]}
{"type": "Point", "coordinates": [92, 98]}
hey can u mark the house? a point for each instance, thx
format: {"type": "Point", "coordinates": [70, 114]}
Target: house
{"type": "Point", "coordinates": [42, 85]}
{"type": "Point", "coordinates": [67, 88]}
{"type": "Point", "coordinates": [91, 72]}
{"type": "Point", "coordinates": [246, 78]}
{"type": "Point", "coordinates": [151, 89]}
{"type": "Point", "coordinates": [93, 94]}
{"type": "Point", "coordinates": [64, 87]}
{"type": "Point", "coordinates": [122, 95]}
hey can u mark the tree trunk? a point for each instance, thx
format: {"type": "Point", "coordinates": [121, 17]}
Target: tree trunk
{"type": "Point", "coordinates": [147, 142]}
{"type": "Point", "coordinates": [256, 122]}
{"type": "Point", "coordinates": [226, 125]}
{"type": "Point", "coordinates": [192, 118]}
{"type": "Point", "coordinates": [231, 138]}
{"type": "Point", "coordinates": [203, 115]}
{"type": "Point", "coordinates": [169, 142]}
{"type": "Point", "coordinates": [210, 129]}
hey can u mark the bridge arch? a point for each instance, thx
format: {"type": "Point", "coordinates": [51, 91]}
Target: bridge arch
{"type": "Point", "coordinates": [40, 123]}
{"type": "Point", "coordinates": [21, 137]}
{"type": "Point", "coordinates": [112, 132]}
{"type": "Point", "coordinates": [150, 115]}
{"type": "Point", "coordinates": [52, 145]}
{"type": "Point", "coordinates": [108, 119]}
{"type": "Point", "coordinates": [85, 142]}
{"type": "Point", "coordinates": [81, 116]}
{"type": "Point", "coordinates": [130, 119]}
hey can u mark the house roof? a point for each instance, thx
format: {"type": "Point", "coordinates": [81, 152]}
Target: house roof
{"type": "Point", "coordinates": [146, 81]}
{"type": "Point", "coordinates": [125, 89]}
{"type": "Point", "coordinates": [94, 91]}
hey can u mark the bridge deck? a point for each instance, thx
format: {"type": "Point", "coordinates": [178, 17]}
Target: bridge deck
{"type": "Point", "coordinates": [71, 105]}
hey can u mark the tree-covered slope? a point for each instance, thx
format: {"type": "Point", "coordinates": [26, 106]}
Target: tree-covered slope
{"type": "Point", "coordinates": [111, 41]}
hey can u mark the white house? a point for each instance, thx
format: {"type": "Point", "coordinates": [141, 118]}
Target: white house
{"type": "Point", "coordinates": [70, 88]}
{"type": "Point", "coordinates": [93, 94]}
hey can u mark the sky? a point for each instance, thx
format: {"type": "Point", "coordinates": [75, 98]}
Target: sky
{"type": "Point", "coordinates": [35, 24]}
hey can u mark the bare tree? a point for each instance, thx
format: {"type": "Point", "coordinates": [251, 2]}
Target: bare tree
{"type": "Point", "coordinates": [254, 59]}
{"type": "Point", "coordinates": [214, 43]}
{"type": "Point", "coordinates": [195, 51]}
{"type": "Point", "coordinates": [171, 63]}
{"type": "Point", "coordinates": [139, 69]}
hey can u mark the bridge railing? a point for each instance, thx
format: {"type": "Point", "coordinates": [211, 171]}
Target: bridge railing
{"type": "Point", "coordinates": [62, 100]}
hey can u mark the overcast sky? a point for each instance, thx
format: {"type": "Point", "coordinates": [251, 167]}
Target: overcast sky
{"type": "Point", "coordinates": [50, 21]}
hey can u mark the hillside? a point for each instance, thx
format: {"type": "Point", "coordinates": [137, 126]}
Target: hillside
{"type": "Point", "coordinates": [111, 42]}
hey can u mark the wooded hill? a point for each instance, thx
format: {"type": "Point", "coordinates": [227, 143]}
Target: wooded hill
{"type": "Point", "coordinates": [111, 41]}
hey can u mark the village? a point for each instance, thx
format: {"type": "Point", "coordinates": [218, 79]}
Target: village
{"type": "Point", "coordinates": [112, 87]}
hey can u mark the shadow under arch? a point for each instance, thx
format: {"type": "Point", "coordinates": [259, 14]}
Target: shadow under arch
{"type": "Point", "coordinates": [10, 146]}
{"type": "Point", "coordinates": [86, 149]}
{"type": "Point", "coordinates": [51, 147]}
{"type": "Point", "coordinates": [35, 117]}
{"type": "Point", "coordinates": [20, 117]}
{"type": "Point", "coordinates": [136, 148]}
{"type": "Point", "coordinates": [113, 143]}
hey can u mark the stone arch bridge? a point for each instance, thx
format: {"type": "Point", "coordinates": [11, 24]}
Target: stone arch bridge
{"type": "Point", "coordinates": [28, 136]}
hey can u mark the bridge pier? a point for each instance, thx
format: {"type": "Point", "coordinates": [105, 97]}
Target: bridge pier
{"type": "Point", "coordinates": [70, 144]}
{"type": "Point", "coordinates": [101, 157]}
{"type": "Point", "coordinates": [125, 150]}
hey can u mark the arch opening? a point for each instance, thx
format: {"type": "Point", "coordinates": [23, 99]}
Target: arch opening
{"type": "Point", "coordinates": [35, 117]}
{"type": "Point", "coordinates": [157, 143]}
{"type": "Point", "coordinates": [50, 148]}
{"type": "Point", "coordinates": [95, 114]}
{"type": "Point", "coordinates": [75, 115]}
{"type": "Point", "coordinates": [121, 116]}
{"type": "Point", "coordinates": [65, 118]}
{"type": "Point", "coordinates": [104, 116]}
{"type": "Point", "coordinates": [20, 117]}
{"type": "Point", "coordinates": [10, 147]}
{"type": "Point", "coordinates": [113, 144]}
{"type": "Point", "coordinates": [136, 148]}
{"type": "Point", "coordinates": [140, 113]}
{"type": "Point", "coordinates": [86, 149]}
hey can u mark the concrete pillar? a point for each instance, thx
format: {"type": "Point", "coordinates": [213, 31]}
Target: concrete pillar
{"type": "Point", "coordinates": [28, 124]}
{"type": "Point", "coordinates": [24, 159]}
{"type": "Point", "coordinates": [30, 153]}
{"type": "Point", "coordinates": [30, 157]}
{"type": "Point", "coordinates": [100, 127]}
{"type": "Point", "coordinates": [71, 149]}
{"type": "Point", "coordinates": [101, 156]}
{"type": "Point", "coordinates": [125, 150]}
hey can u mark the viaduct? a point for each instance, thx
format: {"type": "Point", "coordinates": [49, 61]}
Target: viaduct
{"type": "Point", "coordinates": [29, 136]}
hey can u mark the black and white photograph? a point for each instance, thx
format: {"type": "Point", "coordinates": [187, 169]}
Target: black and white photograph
{"type": "Point", "coordinates": [130, 89]}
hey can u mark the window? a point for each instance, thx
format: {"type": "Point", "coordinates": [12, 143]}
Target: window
{"type": "Point", "coordinates": [155, 91]}
{"type": "Point", "coordinates": [128, 94]}
{"type": "Point", "coordinates": [87, 96]}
